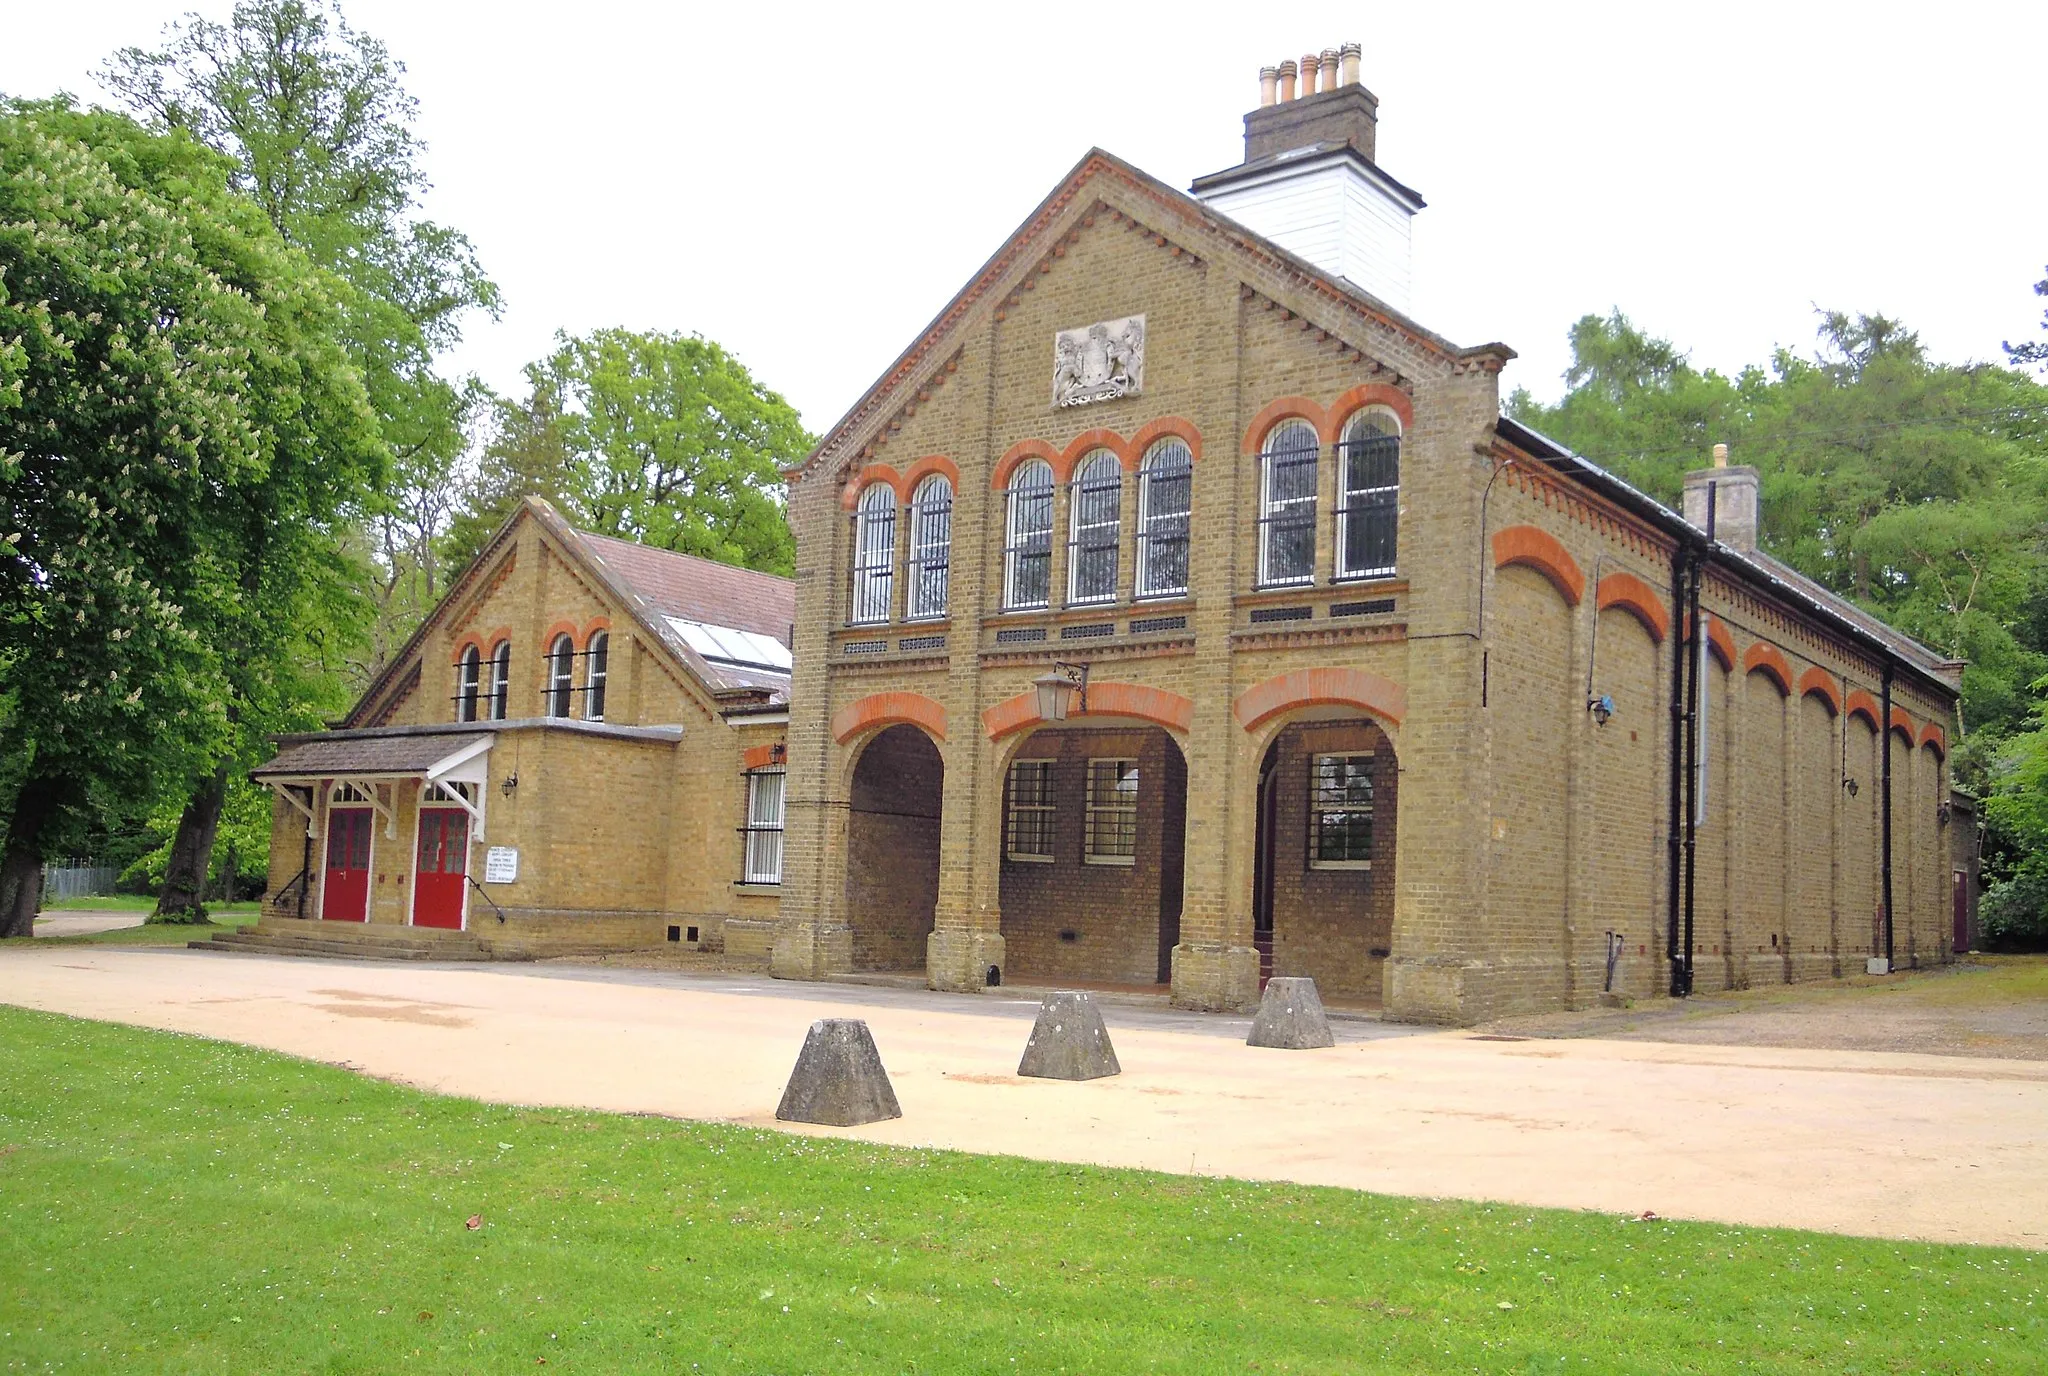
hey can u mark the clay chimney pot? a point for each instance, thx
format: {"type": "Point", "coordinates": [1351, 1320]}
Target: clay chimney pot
{"type": "Point", "coordinates": [1269, 78]}
{"type": "Point", "coordinates": [1348, 56]}
{"type": "Point", "coordinates": [1310, 63]}
{"type": "Point", "coordinates": [1287, 80]}
{"type": "Point", "coordinates": [1329, 69]}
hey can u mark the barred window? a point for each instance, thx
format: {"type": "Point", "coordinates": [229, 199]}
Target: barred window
{"type": "Point", "coordinates": [931, 547]}
{"type": "Point", "coordinates": [1028, 823]}
{"type": "Point", "coordinates": [466, 672]}
{"type": "Point", "coordinates": [1340, 812]}
{"type": "Point", "coordinates": [1368, 504]}
{"type": "Point", "coordinates": [1096, 529]}
{"type": "Point", "coordinates": [1027, 547]}
{"type": "Point", "coordinates": [1287, 504]}
{"type": "Point", "coordinates": [501, 679]}
{"type": "Point", "coordinates": [874, 554]}
{"type": "Point", "coordinates": [596, 664]}
{"type": "Point", "coordinates": [1165, 487]}
{"type": "Point", "coordinates": [561, 675]}
{"type": "Point", "coordinates": [763, 862]}
{"type": "Point", "coordinates": [1112, 815]}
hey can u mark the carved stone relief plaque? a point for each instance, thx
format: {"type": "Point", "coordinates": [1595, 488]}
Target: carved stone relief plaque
{"type": "Point", "coordinates": [1098, 362]}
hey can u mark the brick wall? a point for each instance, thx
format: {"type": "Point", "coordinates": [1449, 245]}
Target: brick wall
{"type": "Point", "coordinates": [1335, 926]}
{"type": "Point", "coordinates": [892, 877]}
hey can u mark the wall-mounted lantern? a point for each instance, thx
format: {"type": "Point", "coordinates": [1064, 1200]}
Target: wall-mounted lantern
{"type": "Point", "coordinates": [1602, 707]}
{"type": "Point", "coordinates": [511, 784]}
{"type": "Point", "coordinates": [1058, 687]}
{"type": "Point", "coordinates": [1849, 785]}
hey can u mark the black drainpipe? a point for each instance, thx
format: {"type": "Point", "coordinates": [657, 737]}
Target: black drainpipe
{"type": "Point", "coordinates": [305, 867]}
{"type": "Point", "coordinates": [1884, 734]}
{"type": "Point", "coordinates": [1680, 557]}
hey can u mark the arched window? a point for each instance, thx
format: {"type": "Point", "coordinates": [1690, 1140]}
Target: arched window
{"type": "Point", "coordinates": [1165, 490]}
{"type": "Point", "coordinates": [1027, 544]}
{"type": "Point", "coordinates": [561, 675]}
{"type": "Point", "coordinates": [931, 547]}
{"type": "Point", "coordinates": [1368, 494]}
{"type": "Point", "coordinates": [874, 553]}
{"type": "Point", "coordinates": [501, 679]}
{"type": "Point", "coordinates": [1287, 504]}
{"type": "Point", "coordinates": [596, 657]}
{"type": "Point", "coordinates": [1095, 529]}
{"type": "Point", "coordinates": [465, 684]}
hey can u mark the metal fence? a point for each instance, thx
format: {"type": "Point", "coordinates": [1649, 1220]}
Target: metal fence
{"type": "Point", "coordinates": [78, 879]}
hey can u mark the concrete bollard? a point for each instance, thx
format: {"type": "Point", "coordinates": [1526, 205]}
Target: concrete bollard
{"type": "Point", "coordinates": [839, 1080]}
{"type": "Point", "coordinates": [1291, 1017]}
{"type": "Point", "coordinates": [1069, 1042]}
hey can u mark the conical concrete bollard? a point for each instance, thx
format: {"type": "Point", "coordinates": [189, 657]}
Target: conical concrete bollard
{"type": "Point", "coordinates": [839, 1080]}
{"type": "Point", "coordinates": [1069, 1042]}
{"type": "Point", "coordinates": [1291, 1017]}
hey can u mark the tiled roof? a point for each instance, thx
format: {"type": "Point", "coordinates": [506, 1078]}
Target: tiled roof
{"type": "Point", "coordinates": [699, 589]}
{"type": "Point", "coordinates": [329, 756]}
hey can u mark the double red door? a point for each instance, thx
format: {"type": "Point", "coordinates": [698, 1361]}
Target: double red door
{"type": "Point", "coordinates": [443, 867]}
{"type": "Point", "coordinates": [345, 891]}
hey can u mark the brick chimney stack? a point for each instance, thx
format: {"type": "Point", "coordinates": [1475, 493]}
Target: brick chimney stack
{"type": "Point", "coordinates": [1328, 106]}
{"type": "Point", "coordinates": [1737, 509]}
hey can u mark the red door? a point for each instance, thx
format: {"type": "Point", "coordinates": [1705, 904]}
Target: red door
{"type": "Point", "coordinates": [443, 867]}
{"type": "Point", "coordinates": [345, 892]}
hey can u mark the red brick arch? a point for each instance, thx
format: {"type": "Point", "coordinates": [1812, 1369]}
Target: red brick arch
{"type": "Point", "coordinates": [1018, 453]}
{"type": "Point", "coordinates": [1086, 443]}
{"type": "Point", "coordinates": [1286, 408]}
{"type": "Point", "coordinates": [1152, 431]}
{"type": "Point", "coordinates": [1357, 399]}
{"type": "Point", "coordinates": [924, 468]}
{"type": "Point", "coordinates": [1766, 659]}
{"type": "Point", "coordinates": [1628, 593]}
{"type": "Point", "coordinates": [1108, 699]}
{"type": "Point", "coordinates": [1902, 724]}
{"type": "Point", "coordinates": [1538, 549]}
{"type": "Point", "coordinates": [1361, 688]}
{"type": "Point", "coordinates": [1932, 737]}
{"type": "Point", "coordinates": [762, 756]}
{"type": "Point", "coordinates": [547, 637]}
{"type": "Point", "coordinates": [888, 709]}
{"type": "Point", "coordinates": [1822, 685]}
{"type": "Point", "coordinates": [1718, 639]}
{"type": "Point", "coordinates": [866, 478]}
{"type": "Point", "coordinates": [1860, 704]}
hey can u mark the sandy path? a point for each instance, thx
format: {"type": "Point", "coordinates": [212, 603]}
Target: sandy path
{"type": "Point", "coordinates": [1937, 1147]}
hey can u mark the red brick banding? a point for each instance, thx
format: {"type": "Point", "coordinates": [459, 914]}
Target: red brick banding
{"type": "Point", "coordinates": [1156, 705]}
{"type": "Point", "coordinates": [1538, 549]}
{"type": "Point", "coordinates": [1766, 659]}
{"type": "Point", "coordinates": [888, 709]}
{"type": "Point", "coordinates": [1360, 397]}
{"type": "Point", "coordinates": [1626, 592]}
{"type": "Point", "coordinates": [1361, 688]}
{"type": "Point", "coordinates": [1822, 685]}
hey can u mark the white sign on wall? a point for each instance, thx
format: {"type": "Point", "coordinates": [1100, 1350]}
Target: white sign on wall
{"type": "Point", "coordinates": [501, 865]}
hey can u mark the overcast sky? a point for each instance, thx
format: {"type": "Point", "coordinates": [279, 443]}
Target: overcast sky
{"type": "Point", "coordinates": [810, 188]}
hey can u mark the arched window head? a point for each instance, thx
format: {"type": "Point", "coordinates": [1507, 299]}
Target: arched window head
{"type": "Point", "coordinates": [1027, 537]}
{"type": "Point", "coordinates": [501, 679]}
{"type": "Point", "coordinates": [1165, 493]}
{"type": "Point", "coordinates": [1095, 528]}
{"type": "Point", "coordinates": [466, 670]}
{"type": "Point", "coordinates": [1368, 494]}
{"type": "Point", "coordinates": [874, 554]}
{"type": "Point", "coordinates": [596, 664]}
{"type": "Point", "coordinates": [931, 547]}
{"type": "Point", "coordinates": [561, 675]}
{"type": "Point", "coordinates": [1287, 504]}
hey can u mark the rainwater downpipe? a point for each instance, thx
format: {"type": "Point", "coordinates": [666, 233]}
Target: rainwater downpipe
{"type": "Point", "coordinates": [1693, 659]}
{"type": "Point", "coordinates": [1885, 735]}
{"type": "Point", "coordinates": [1680, 558]}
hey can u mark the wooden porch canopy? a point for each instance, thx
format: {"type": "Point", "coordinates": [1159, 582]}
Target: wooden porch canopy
{"type": "Point", "coordinates": [371, 759]}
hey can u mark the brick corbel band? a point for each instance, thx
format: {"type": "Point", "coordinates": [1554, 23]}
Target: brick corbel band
{"type": "Point", "coordinates": [888, 709]}
{"type": "Point", "coordinates": [1536, 548]}
{"type": "Point", "coordinates": [1382, 697]}
{"type": "Point", "coordinates": [1170, 710]}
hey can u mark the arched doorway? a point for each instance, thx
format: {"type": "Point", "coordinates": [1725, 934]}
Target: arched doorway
{"type": "Point", "coordinates": [1093, 855]}
{"type": "Point", "coordinates": [1323, 866]}
{"type": "Point", "coordinates": [892, 848]}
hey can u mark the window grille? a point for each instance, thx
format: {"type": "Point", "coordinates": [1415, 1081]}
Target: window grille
{"type": "Point", "coordinates": [1165, 493]}
{"type": "Point", "coordinates": [501, 680]}
{"type": "Point", "coordinates": [864, 647]}
{"type": "Point", "coordinates": [921, 642]}
{"type": "Point", "coordinates": [1340, 812]}
{"type": "Point", "coordinates": [763, 860]}
{"type": "Point", "coordinates": [1112, 816]}
{"type": "Point", "coordinates": [1020, 635]}
{"type": "Point", "coordinates": [874, 554]}
{"type": "Point", "coordinates": [1027, 547]}
{"type": "Point", "coordinates": [1370, 607]}
{"type": "Point", "coordinates": [1368, 501]}
{"type": "Point", "coordinates": [1147, 625]}
{"type": "Point", "coordinates": [1287, 505]}
{"type": "Point", "coordinates": [561, 676]}
{"type": "Point", "coordinates": [1028, 829]}
{"type": "Point", "coordinates": [1095, 530]}
{"type": "Point", "coordinates": [596, 669]}
{"type": "Point", "coordinates": [466, 674]}
{"type": "Point", "coordinates": [1265, 614]}
{"type": "Point", "coordinates": [931, 547]}
{"type": "Point", "coordinates": [1094, 630]}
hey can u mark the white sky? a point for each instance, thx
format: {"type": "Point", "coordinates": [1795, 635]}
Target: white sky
{"type": "Point", "coordinates": [810, 187]}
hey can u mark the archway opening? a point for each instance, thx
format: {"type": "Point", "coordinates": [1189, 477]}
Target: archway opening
{"type": "Point", "coordinates": [892, 848]}
{"type": "Point", "coordinates": [1093, 855]}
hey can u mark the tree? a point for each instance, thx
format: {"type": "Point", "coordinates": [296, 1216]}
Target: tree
{"type": "Point", "coordinates": [171, 387]}
{"type": "Point", "coordinates": [2031, 350]}
{"type": "Point", "coordinates": [317, 123]}
{"type": "Point", "coordinates": [661, 438]}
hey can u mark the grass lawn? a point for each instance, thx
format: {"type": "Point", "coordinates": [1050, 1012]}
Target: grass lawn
{"type": "Point", "coordinates": [169, 1203]}
{"type": "Point", "coordinates": [222, 915]}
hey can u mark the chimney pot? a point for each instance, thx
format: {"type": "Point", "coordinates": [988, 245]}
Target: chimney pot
{"type": "Point", "coordinates": [1309, 63]}
{"type": "Point", "coordinates": [1720, 456]}
{"type": "Point", "coordinates": [1287, 80]}
{"type": "Point", "coordinates": [1269, 78]}
{"type": "Point", "coordinates": [1348, 56]}
{"type": "Point", "coordinates": [1329, 69]}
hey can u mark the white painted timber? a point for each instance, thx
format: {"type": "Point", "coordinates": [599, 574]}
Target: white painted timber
{"type": "Point", "coordinates": [1328, 208]}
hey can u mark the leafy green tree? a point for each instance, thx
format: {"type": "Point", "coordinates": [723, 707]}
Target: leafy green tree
{"type": "Point", "coordinates": [662, 438]}
{"type": "Point", "coordinates": [2030, 351]}
{"type": "Point", "coordinates": [171, 389]}
{"type": "Point", "coordinates": [318, 125]}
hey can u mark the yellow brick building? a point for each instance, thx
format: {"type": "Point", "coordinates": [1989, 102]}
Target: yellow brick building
{"type": "Point", "coordinates": [1380, 686]}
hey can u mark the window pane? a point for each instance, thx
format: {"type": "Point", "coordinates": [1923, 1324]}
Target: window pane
{"type": "Point", "coordinates": [501, 681]}
{"type": "Point", "coordinates": [874, 553]}
{"type": "Point", "coordinates": [1369, 510]}
{"type": "Point", "coordinates": [1112, 827]}
{"type": "Point", "coordinates": [1287, 505]}
{"type": "Point", "coordinates": [1098, 524]}
{"type": "Point", "coordinates": [1164, 494]}
{"type": "Point", "coordinates": [1340, 809]}
{"type": "Point", "coordinates": [1030, 825]}
{"type": "Point", "coordinates": [1028, 553]}
{"type": "Point", "coordinates": [931, 537]}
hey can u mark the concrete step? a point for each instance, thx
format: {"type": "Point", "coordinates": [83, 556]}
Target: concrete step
{"type": "Point", "coordinates": [350, 946]}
